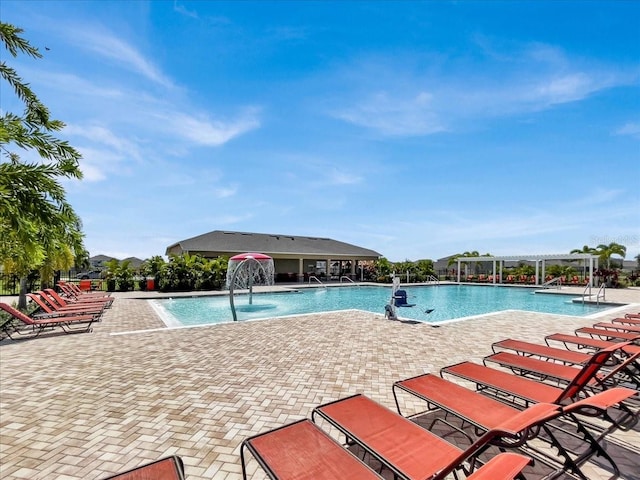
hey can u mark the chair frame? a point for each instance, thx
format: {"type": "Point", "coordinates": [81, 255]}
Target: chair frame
{"type": "Point", "coordinates": [153, 470]}
{"type": "Point", "coordinates": [37, 326]}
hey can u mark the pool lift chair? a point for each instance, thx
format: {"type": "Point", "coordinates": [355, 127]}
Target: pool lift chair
{"type": "Point", "coordinates": [398, 299]}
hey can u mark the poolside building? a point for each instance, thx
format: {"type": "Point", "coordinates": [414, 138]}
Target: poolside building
{"type": "Point", "coordinates": [295, 258]}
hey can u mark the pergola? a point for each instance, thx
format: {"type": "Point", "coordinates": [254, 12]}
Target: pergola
{"type": "Point", "coordinates": [539, 262]}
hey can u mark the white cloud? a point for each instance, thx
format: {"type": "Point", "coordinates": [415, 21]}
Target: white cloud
{"type": "Point", "coordinates": [205, 131]}
{"type": "Point", "coordinates": [113, 48]}
{"type": "Point", "coordinates": [631, 129]}
{"type": "Point", "coordinates": [225, 192]}
{"type": "Point", "coordinates": [396, 97]}
{"type": "Point", "coordinates": [178, 7]}
{"type": "Point", "coordinates": [394, 115]}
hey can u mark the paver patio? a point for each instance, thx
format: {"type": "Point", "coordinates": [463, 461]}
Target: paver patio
{"type": "Point", "coordinates": [89, 405]}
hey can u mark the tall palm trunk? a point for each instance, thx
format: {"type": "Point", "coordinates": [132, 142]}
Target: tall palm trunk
{"type": "Point", "coordinates": [22, 298]}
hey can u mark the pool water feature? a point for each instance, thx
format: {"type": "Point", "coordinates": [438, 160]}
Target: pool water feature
{"type": "Point", "coordinates": [445, 302]}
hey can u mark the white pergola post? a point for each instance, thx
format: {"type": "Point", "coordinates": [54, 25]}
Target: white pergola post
{"type": "Point", "coordinates": [537, 271]}
{"type": "Point", "coordinates": [494, 272]}
{"type": "Point", "coordinates": [458, 271]}
{"type": "Point", "coordinates": [543, 277]}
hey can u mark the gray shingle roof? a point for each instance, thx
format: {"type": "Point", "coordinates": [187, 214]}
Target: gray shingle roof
{"type": "Point", "coordinates": [235, 242]}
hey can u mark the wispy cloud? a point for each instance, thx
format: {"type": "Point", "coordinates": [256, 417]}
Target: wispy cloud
{"type": "Point", "coordinates": [205, 131]}
{"type": "Point", "coordinates": [118, 51]}
{"type": "Point", "coordinates": [225, 192]}
{"type": "Point", "coordinates": [180, 8]}
{"type": "Point", "coordinates": [396, 97]}
{"type": "Point", "coordinates": [393, 115]}
{"type": "Point", "coordinates": [631, 129]}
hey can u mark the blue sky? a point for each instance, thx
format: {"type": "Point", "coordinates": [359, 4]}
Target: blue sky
{"type": "Point", "coordinates": [416, 129]}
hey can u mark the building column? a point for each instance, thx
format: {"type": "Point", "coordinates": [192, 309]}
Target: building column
{"type": "Point", "coordinates": [300, 270]}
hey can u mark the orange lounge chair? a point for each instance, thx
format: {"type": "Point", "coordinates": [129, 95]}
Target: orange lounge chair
{"type": "Point", "coordinates": [169, 468]}
{"type": "Point", "coordinates": [406, 449]}
{"type": "Point", "coordinates": [105, 301]}
{"type": "Point", "coordinates": [72, 290]}
{"type": "Point", "coordinates": [625, 371]}
{"type": "Point", "coordinates": [587, 342]}
{"type": "Point", "coordinates": [619, 327]}
{"type": "Point", "coordinates": [38, 325]}
{"type": "Point", "coordinates": [529, 349]}
{"type": "Point", "coordinates": [303, 451]}
{"type": "Point", "coordinates": [49, 307]}
{"type": "Point", "coordinates": [526, 389]}
{"type": "Point", "coordinates": [627, 320]}
{"type": "Point", "coordinates": [485, 413]}
{"type": "Point", "coordinates": [609, 335]}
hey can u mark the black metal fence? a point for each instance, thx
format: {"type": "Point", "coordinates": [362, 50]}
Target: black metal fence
{"type": "Point", "coordinates": [10, 284]}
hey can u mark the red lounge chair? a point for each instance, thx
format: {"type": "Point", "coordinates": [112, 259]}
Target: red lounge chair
{"type": "Point", "coordinates": [49, 307]}
{"type": "Point", "coordinates": [405, 448]}
{"type": "Point", "coordinates": [73, 291]}
{"type": "Point", "coordinates": [485, 413]}
{"type": "Point", "coordinates": [102, 301]}
{"type": "Point", "coordinates": [588, 342]}
{"type": "Point", "coordinates": [510, 279]}
{"type": "Point", "coordinates": [632, 315]}
{"type": "Point", "coordinates": [37, 326]}
{"type": "Point", "coordinates": [170, 468]}
{"type": "Point", "coordinates": [547, 370]}
{"type": "Point", "coordinates": [529, 390]}
{"type": "Point", "coordinates": [541, 351]}
{"type": "Point", "coordinates": [627, 320]}
{"type": "Point", "coordinates": [619, 327]}
{"type": "Point", "coordinates": [302, 451]}
{"type": "Point", "coordinates": [609, 334]}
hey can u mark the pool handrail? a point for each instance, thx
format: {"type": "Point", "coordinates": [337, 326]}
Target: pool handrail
{"type": "Point", "coordinates": [313, 277]}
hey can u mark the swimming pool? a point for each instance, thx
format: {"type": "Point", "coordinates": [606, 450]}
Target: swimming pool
{"type": "Point", "coordinates": [446, 302]}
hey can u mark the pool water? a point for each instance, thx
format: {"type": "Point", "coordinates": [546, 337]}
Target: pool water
{"type": "Point", "coordinates": [446, 302]}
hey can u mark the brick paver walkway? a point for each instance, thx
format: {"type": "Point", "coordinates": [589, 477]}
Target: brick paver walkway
{"type": "Point", "coordinates": [89, 405]}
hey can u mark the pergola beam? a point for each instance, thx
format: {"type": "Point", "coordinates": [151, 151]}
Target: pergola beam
{"type": "Point", "coordinates": [532, 258]}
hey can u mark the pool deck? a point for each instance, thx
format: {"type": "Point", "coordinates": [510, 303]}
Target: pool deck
{"type": "Point", "coordinates": [89, 405]}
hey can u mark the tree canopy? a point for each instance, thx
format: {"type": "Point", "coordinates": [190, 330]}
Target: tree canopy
{"type": "Point", "coordinates": [39, 230]}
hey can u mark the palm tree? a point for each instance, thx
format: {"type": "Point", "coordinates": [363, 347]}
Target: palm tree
{"type": "Point", "coordinates": [584, 249]}
{"type": "Point", "coordinates": [38, 228]}
{"type": "Point", "coordinates": [454, 259]}
{"type": "Point", "coordinates": [606, 251]}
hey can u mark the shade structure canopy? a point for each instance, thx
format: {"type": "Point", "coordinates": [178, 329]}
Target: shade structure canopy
{"type": "Point", "coordinates": [539, 261]}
